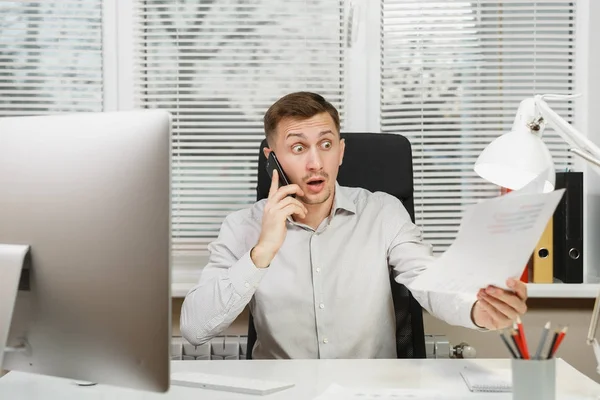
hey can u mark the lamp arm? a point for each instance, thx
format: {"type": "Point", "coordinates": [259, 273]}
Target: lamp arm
{"type": "Point", "coordinates": [591, 339]}
{"type": "Point", "coordinates": [569, 134]}
{"type": "Point", "coordinates": [596, 348]}
{"type": "Point", "coordinates": [594, 321]}
{"type": "Point", "coordinates": [585, 156]}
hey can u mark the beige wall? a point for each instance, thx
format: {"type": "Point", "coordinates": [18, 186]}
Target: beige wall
{"type": "Point", "coordinates": [572, 312]}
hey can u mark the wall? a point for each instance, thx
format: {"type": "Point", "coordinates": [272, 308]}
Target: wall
{"type": "Point", "coordinates": [575, 313]}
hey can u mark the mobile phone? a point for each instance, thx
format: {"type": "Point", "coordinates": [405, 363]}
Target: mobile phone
{"type": "Point", "coordinates": [272, 164]}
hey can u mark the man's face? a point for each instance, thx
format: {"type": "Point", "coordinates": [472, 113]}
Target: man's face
{"type": "Point", "coordinates": [310, 152]}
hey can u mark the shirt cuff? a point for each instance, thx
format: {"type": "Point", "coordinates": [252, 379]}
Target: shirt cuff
{"type": "Point", "coordinates": [465, 304]}
{"type": "Point", "coordinates": [245, 276]}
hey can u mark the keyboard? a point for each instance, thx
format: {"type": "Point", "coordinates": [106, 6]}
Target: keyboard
{"type": "Point", "coordinates": [228, 383]}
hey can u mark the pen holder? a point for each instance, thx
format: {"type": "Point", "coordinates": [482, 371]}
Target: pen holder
{"type": "Point", "coordinates": [534, 379]}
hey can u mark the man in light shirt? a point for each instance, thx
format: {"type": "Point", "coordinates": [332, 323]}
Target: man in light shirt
{"type": "Point", "coordinates": [314, 267]}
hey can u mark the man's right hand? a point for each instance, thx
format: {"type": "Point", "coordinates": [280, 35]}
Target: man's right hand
{"type": "Point", "coordinates": [279, 206]}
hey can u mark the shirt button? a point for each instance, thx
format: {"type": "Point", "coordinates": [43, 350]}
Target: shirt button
{"type": "Point", "coordinates": [318, 269]}
{"type": "Point", "coordinates": [247, 284]}
{"type": "Point", "coordinates": [321, 305]}
{"type": "Point", "coordinates": [325, 340]}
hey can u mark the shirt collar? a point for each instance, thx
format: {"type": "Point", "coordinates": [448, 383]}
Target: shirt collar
{"type": "Point", "coordinates": [341, 201]}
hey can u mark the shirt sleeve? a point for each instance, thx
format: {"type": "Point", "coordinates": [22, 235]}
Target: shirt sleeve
{"type": "Point", "coordinates": [409, 256]}
{"type": "Point", "coordinates": [226, 286]}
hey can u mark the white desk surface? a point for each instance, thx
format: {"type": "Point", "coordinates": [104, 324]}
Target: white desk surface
{"type": "Point", "coordinates": [311, 377]}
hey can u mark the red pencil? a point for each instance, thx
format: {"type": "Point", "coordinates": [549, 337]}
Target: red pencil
{"type": "Point", "coordinates": [522, 338]}
{"type": "Point", "coordinates": [559, 339]}
{"type": "Point", "coordinates": [515, 337]}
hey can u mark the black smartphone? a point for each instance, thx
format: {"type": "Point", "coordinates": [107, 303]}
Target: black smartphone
{"type": "Point", "coordinates": [272, 164]}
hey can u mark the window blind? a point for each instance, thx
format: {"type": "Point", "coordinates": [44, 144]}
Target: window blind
{"type": "Point", "coordinates": [217, 66]}
{"type": "Point", "coordinates": [50, 57]}
{"type": "Point", "coordinates": [452, 76]}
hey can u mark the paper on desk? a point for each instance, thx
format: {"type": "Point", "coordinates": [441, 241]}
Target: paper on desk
{"type": "Point", "coordinates": [494, 242]}
{"type": "Point", "coordinates": [337, 392]}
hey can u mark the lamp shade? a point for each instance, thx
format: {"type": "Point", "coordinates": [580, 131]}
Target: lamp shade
{"type": "Point", "coordinates": [514, 159]}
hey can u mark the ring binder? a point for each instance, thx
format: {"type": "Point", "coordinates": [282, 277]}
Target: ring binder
{"type": "Point", "coordinates": [568, 229]}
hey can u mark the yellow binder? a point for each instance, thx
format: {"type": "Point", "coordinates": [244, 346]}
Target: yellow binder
{"type": "Point", "coordinates": [543, 257]}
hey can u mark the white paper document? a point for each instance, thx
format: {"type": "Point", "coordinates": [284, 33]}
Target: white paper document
{"type": "Point", "coordinates": [337, 392]}
{"type": "Point", "coordinates": [495, 241]}
{"type": "Point", "coordinates": [482, 380]}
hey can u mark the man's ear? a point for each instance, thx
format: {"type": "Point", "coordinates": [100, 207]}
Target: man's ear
{"type": "Point", "coordinates": [342, 148]}
{"type": "Point", "coordinates": [266, 151]}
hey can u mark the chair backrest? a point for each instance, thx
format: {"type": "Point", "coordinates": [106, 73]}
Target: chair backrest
{"type": "Point", "coordinates": [377, 162]}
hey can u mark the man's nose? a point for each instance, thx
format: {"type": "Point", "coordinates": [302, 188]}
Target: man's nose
{"type": "Point", "coordinates": [314, 160]}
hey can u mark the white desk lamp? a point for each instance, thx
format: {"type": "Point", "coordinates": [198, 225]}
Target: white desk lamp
{"type": "Point", "coordinates": [519, 156]}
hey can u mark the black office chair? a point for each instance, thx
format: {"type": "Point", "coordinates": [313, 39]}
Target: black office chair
{"type": "Point", "coordinates": [377, 162]}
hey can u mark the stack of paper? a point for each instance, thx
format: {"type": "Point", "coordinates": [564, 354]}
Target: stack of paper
{"type": "Point", "coordinates": [477, 380]}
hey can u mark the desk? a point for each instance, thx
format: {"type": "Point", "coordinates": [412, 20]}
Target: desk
{"type": "Point", "coordinates": [311, 377]}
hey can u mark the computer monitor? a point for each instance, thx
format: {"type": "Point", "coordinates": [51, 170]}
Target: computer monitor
{"type": "Point", "coordinates": [89, 194]}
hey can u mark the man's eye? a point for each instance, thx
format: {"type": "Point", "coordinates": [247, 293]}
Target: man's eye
{"type": "Point", "coordinates": [297, 148]}
{"type": "Point", "coordinates": [326, 145]}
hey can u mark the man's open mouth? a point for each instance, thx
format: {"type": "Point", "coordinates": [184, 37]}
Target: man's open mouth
{"type": "Point", "coordinates": [315, 182]}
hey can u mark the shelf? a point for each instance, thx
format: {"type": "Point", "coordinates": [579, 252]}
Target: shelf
{"type": "Point", "coordinates": [563, 290]}
{"type": "Point", "coordinates": [180, 289]}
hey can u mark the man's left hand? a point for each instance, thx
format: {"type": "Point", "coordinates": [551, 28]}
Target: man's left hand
{"type": "Point", "coordinates": [498, 308]}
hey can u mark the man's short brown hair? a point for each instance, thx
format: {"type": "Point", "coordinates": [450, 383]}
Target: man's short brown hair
{"type": "Point", "coordinates": [301, 105]}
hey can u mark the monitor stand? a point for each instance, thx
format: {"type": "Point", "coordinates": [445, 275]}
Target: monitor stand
{"type": "Point", "coordinates": [13, 260]}
{"type": "Point", "coordinates": [14, 276]}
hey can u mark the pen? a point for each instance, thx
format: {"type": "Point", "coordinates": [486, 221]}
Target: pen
{"type": "Point", "coordinates": [523, 339]}
{"type": "Point", "coordinates": [559, 339]}
{"type": "Point", "coordinates": [538, 352]}
{"type": "Point", "coordinates": [554, 338]}
{"type": "Point", "coordinates": [512, 352]}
